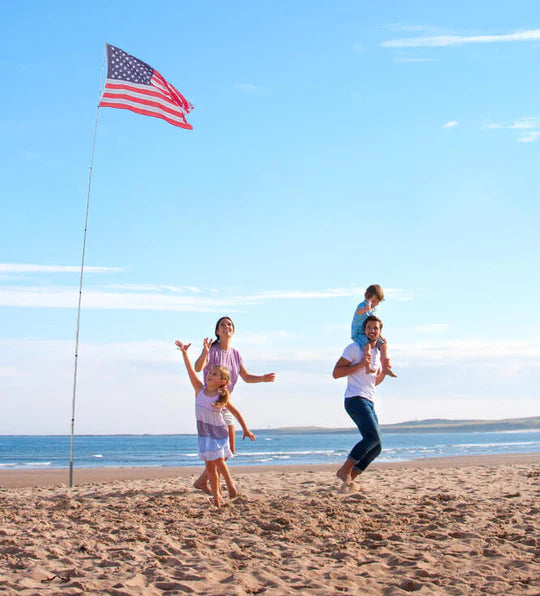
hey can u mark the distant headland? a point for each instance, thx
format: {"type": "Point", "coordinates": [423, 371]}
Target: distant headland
{"type": "Point", "coordinates": [431, 425]}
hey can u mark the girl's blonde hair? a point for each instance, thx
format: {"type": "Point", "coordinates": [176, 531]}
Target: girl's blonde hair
{"type": "Point", "coordinates": [223, 392]}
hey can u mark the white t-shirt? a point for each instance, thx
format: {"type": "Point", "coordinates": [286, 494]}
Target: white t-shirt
{"type": "Point", "coordinates": [360, 383]}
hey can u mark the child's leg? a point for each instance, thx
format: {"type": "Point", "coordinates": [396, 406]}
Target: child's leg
{"type": "Point", "coordinates": [224, 471]}
{"type": "Point", "coordinates": [385, 360]}
{"type": "Point", "coordinates": [367, 355]}
{"type": "Point", "coordinates": [362, 340]}
{"type": "Point", "coordinates": [213, 477]}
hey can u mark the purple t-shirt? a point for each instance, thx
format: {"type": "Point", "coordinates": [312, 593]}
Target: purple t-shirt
{"type": "Point", "coordinates": [229, 358]}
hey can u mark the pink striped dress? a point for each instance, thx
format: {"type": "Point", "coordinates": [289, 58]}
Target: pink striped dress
{"type": "Point", "coordinates": [211, 428]}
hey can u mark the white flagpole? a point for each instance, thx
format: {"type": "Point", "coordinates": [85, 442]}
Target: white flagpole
{"type": "Point", "coordinates": [81, 283]}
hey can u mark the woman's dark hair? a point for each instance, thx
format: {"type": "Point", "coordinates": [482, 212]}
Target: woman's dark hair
{"type": "Point", "coordinates": [217, 325]}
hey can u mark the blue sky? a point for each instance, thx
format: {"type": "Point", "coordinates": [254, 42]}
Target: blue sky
{"type": "Point", "coordinates": [333, 147]}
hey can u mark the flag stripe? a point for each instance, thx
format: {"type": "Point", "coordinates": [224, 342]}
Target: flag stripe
{"type": "Point", "coordinates": [158, 80]}
{"type": "Point", "coordinates": [139, 91]}
{"type": "Point", "coordinates": [135, 89]}
{"type": "Point", "coordinates": [134, 108]}
{"type": "Point", "coordinates": [121, 101]}
{"type": "Point", "coordinates": [162, 105]}
{"type": "Point", "coordinates": [156, 91]}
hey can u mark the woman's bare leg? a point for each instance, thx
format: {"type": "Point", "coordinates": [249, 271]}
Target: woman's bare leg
{"type": "Point", "coordinates": [202, 483]}
{"type": "Point", "coordinates": [232, 436]}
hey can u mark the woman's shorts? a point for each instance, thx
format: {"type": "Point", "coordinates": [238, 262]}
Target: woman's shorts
{"type": "Point", "coordinates": [227, 417]}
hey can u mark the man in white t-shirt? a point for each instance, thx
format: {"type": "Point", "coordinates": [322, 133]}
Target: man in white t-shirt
{"type": "Point", "coordinates": [359, 396]}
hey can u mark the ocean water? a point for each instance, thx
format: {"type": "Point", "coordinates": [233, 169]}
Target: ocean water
{"type": "Point", "coordinates": [271, 448]}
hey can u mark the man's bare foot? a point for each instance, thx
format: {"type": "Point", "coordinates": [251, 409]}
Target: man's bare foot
{"type": "Point", "coordinates": [343, 475]}
{"type": "Point", "coordinates": [389, 372]}
{"type": "Point", "coordinates": [201, 485]}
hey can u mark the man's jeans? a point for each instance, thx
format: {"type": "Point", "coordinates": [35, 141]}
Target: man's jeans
{"type": "Point", "coordinates": [362, 411]}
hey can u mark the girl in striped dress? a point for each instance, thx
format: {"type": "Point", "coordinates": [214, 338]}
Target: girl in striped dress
{"type": "Point", "coordinates": [210, 400]}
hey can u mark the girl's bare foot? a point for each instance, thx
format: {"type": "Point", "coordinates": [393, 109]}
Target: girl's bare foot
{"type": "Point", "coordinates": [389, 372]}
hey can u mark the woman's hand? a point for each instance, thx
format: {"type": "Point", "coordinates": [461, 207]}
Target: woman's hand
{"type": "Point", "coordinates": [182, 347]}
{"type": "Point", "coordinates": [207, 344]}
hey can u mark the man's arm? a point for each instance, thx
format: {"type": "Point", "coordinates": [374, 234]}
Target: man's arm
{"type": "Point", "coordinates": [344, 368]}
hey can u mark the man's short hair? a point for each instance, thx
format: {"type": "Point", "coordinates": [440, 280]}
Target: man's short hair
{"type": "Point", "coordinates": [373, 318]}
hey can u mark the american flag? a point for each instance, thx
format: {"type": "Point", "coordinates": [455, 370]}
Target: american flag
{"type": "Point", "coordinates": [134, 85]}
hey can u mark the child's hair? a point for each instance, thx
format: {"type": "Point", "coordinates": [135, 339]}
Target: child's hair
{"type": "Point", "coordinates": [223, 392]}
{"type": "Point", "coordinates": [219, 321]}
{"type": "Point", "coordinates": [373, 318]}
{"type": "Point", "coordinates": [374, 290]}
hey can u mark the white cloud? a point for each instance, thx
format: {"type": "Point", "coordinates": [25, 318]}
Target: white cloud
{"type": "Point", "coordinates": [117, 381]}
{"type": "Point", "coordinates": [407, 28]}
{"type": "Point", "coordinates": [450, 124]}
{"type": "Point", "coordinates": [31, 268]}
{"type": "Point", "coordinates": [438, 41]}
{"type": "Point", "coordinates": [525, 123]}
{"type": "Point", "coordinates": [432, 329]}
{"type": "Point", "coordinates": [470, 351]}
{"type": "Point", "coordinates": [156, 288]}
{"type": "Point", "coordinates": [529, 137]}
{"type": "Point", "coordinates": [61, 297]}
{"type": "Point", "coordinates": [527, 127]}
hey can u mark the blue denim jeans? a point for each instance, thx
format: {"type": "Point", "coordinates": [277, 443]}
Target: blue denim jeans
{"type": "Point", "coordinates": [362, 411]}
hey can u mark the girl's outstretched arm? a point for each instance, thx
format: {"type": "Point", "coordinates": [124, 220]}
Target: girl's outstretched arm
{"type": "Point", "coordinates": [201, 361]}
{"type": "Point", "coordinates": [238, 416]}
{"type": "Point", "coordinates": [248, 378]}
{"type": "Point", "coordinates": [195, 381]}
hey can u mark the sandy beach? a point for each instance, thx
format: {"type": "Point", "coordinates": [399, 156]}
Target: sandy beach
{"type": "Point", "coordinates": [441, 526]}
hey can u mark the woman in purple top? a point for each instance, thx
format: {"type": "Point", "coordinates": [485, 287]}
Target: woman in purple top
{"type": "Point", "coordinates": [219, 352]}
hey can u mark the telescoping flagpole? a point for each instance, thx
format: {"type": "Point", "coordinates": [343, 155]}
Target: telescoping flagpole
{"type": "Point", "coordinates": [81, 286]}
